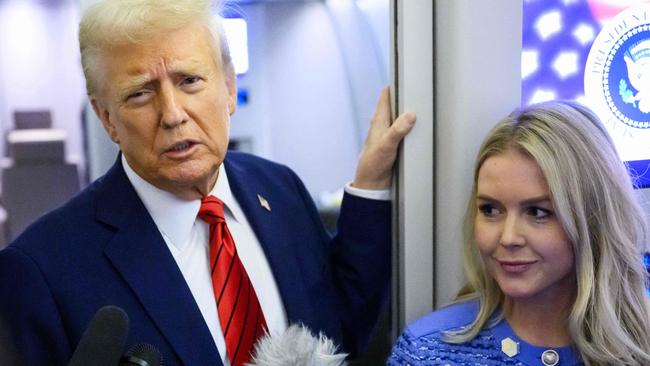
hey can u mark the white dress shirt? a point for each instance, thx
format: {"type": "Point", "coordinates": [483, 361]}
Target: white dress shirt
{"type": "Point", "coordinates": [187, 238]}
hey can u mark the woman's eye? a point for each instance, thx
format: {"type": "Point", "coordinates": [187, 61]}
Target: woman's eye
{"type": "Point", "coordinates": [538, 213]}
{"type": "Point", "coordinates": [488, 210]}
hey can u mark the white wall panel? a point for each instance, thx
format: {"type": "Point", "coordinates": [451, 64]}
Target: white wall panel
{"type": "Point", "coordinates": [458, 67]}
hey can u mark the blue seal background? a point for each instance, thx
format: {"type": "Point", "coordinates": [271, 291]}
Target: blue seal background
{"type": "Point", "coordinates": [618, 71]}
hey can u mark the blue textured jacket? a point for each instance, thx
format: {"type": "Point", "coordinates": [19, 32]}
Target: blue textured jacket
{"type": "Point", "coordinates": [422, 344]}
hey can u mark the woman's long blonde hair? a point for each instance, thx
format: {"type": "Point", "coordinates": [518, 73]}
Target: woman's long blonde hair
{"type": "Point", "coordinates": [594, 199]}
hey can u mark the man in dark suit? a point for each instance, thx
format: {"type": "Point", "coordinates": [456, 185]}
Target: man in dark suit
{"type": "Point", "coordinates": [160, 79]}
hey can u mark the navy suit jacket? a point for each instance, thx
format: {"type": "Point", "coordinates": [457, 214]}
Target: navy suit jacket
{"type": "Point", "coordinates": [103, 248]}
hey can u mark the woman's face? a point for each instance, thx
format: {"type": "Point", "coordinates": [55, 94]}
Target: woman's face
{"type": "Point", "coordinates": [519, 237]}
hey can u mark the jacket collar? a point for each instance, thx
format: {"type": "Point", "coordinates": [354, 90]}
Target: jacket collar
{"type": "Point", "coordinates": [250, 189]}
{"type": "Point", "coordinates": [140, 255]}
{"type": "Point", "coordinates": [142, 258]}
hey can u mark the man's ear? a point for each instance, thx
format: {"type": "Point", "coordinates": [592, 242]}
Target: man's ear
{"type": "Point", "coordinates": [103, 115]}
{"type": "Point", "coordinates": [231, 84]}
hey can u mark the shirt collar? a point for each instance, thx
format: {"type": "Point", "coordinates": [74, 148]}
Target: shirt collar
{"type": "Point", "coordinates": [222, 191]}
{"type": "Point", "coordinates": [174, 216]}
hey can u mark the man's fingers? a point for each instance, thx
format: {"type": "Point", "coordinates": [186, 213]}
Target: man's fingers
{"type": "Point", "coordinates": [379, 153]}
{"type": "Point", "coordinates": [400, 128]}
{"type": "Point", "coordinates": [382, 112]}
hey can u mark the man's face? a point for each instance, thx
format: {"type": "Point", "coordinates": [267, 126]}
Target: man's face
{"type": "Point", "coordinates": [167, 104]}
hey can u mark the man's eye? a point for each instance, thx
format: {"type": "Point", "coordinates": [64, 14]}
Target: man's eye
{"type": "Point", "coordinates": [191, 80]}
{"type": "Point", "coordinates": [192, 84]}
{"type": "Point", "coordinates": [138, 97]}
{"type": "Point", "coordinates": [488, 210]}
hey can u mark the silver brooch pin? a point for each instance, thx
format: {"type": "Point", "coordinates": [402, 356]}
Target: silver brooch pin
{"type": "Point", "coordinates": [550, 357]}
{"type": "Point", "coordinates": [509, 347]}
{"type": "Point", "coordinates": [263, 202]}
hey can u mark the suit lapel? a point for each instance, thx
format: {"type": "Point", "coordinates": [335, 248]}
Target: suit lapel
{"type": "Point", "coordinates": [142, 258]}
{"type": "Point", "coordinates": [275, 242]}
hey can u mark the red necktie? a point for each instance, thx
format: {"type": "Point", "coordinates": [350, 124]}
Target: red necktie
{"type": "Point", "coordinates": [240, 314]}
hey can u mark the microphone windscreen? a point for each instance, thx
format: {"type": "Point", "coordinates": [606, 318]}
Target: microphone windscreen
{"type": "Point", "coordinates": [296, 346]}
{"type": "Point", "coordinates": [143, 354]}
{"type": "Point", "coordinates": [103, 341]}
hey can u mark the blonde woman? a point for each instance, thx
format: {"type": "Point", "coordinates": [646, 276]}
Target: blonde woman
{"type": "Point", "coordinates": [553, 245]}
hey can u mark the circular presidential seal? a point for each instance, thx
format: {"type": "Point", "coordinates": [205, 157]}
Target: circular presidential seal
{"type": "Point", "coordinates": [617, 72]}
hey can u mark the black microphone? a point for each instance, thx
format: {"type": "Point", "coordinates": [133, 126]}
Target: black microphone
{"type": "Point", "coordinates": [142, 354]}
{"type": "Point", "coordinates": [103, 341]}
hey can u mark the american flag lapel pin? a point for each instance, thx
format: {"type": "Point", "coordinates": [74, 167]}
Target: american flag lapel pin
{"type": "Point", "coordinates": [263, 202]}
